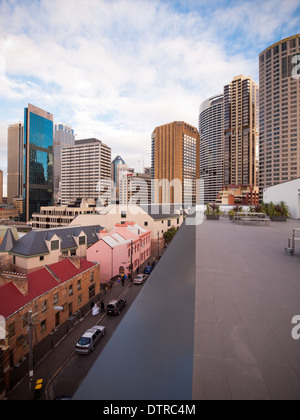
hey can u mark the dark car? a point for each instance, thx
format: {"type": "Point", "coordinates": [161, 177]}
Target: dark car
{"type": "Point", "coordinates": [115, 306]}
{"type": "Point", "coordinates": [148, 270]}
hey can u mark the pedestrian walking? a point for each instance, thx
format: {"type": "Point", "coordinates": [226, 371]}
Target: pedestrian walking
{"type": "Point", "coordinates": [102, 306]}
{"type": "Point", "coordinates": [123, 280]}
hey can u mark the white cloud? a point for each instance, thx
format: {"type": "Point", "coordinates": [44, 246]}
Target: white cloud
{"type": "Point", "coordinates": [116, 69]}
{"type": "Point", "coordinates": [258, 20]}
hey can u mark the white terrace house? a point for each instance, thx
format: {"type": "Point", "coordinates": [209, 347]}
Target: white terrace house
{"type": "Point", "coordinates": [44, 247]}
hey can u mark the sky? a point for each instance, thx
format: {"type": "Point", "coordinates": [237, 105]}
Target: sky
{"type": "Point", "coordinates": [116, 69]}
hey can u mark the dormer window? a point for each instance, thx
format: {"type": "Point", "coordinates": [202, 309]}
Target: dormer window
{"type": "Point", "coordinates": [81, 240]}
{"type": "Point", "coordinates": [54, 245]}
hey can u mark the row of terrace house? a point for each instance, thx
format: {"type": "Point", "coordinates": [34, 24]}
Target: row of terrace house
{"type": "Point", "coordinates": [125, 245]}
{"type": "Point", "coordinates": [44, 247]}
{"type": "Point", "coordinates": [52, 293]}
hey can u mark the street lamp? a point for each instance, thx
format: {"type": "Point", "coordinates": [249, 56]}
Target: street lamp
{"type": "Point", "coordinates": [30, 343]}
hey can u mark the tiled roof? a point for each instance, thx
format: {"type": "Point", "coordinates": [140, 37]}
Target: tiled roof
{"type": "Point", "coordinates": [11, 299]}
{"type": "Point", "coordinates": [33, 243]}
{"type": "Point", "coordinates": [68, 270]}
{"type": "Point", "coordinates": [160, 211]}
{"type": "Point", "coordinates": [39, 282]}
{"type": "Point", "coordinates": [8, 241]}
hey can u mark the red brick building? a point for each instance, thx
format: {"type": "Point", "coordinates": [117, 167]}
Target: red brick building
{"type": "Point", "coordinates": [244, 195]}
{"type": "Point", "coordinates": [70, 284]}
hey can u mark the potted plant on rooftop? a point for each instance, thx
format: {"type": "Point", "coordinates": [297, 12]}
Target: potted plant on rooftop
{"type": "Point", "coordinates": [258, 209]}
{"type": "Point", "coordinates": [233, 211]}
{"type": "Point", "coordinates": [213, 212]}
{"type": "Point", "coordinates": [278, 212]}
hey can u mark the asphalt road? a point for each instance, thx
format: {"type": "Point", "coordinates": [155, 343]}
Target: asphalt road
{"type": "Point", "coordinates": [66, 381]}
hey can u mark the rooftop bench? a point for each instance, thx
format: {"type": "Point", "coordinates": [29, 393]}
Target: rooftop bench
{"type": "Point", "coordinates": [251, 217]}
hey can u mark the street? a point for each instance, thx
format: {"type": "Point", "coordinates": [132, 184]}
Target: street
{"type": "Point", "coordinates": [61, 370]}
{"type": "Point", "coordinates": [67, 379]}
{"type": "Point", "coordinates": [70, 377]}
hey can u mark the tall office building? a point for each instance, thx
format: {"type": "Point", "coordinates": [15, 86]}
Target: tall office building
{"type": "Point", "coordinates": [152, 166]}
{"type": "Point", "coordinates": [63, 137]}
{"type": "Point", "coordinates": [118, 168]}
{"type": "Point", "coordinates": [15, 146]}
{"type": "Point", "coordinates": [279, 146]}
{"type": "Point", "coordinates": [175, 163]}
{"type": "Point", "coordinates": [241, 128]}
{"type": "Point", "coordinates": [211, 126]}
{"type": "Point", "coordinates": [135, 189]}
{"type": "Point", "coordinates": [86, 171]}
{"type": "Point", "coordinates": [114, 168]}
{"type": "Point", "coordinates": [38, 160]}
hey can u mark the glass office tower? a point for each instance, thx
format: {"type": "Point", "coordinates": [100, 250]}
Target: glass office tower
{"type": "Point", "coordinates": [38, 160]}
{"type": "Point", "coordinates": [114, 168]}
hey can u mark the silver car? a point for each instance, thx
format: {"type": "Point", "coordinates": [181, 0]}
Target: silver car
{"type": "Point", "coordinates": [90, 338]}
{"type": "Point", "coordinates": [140, 279]}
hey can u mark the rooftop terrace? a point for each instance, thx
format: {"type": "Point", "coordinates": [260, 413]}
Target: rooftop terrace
{"type": "Point", "coordinates": [247, 292]}
{"type": "Point", "coordinates": [214, 321]}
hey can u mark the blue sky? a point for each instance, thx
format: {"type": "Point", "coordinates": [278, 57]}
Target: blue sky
{"type": "Point", "coordinates": [115, 69]}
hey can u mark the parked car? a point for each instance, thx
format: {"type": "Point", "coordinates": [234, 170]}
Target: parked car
{"type": "Point", "coordinates": [115, 306]}
{"type": "Point", "coordinates": [140, 279]}
{"type": "Point", "coordinates": [90, 338]}
{"type": "Point", "coordinates": [148, 270]}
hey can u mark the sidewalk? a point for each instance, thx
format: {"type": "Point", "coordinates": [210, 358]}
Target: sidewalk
{"type": "Point", "coordinates": [51, 354]}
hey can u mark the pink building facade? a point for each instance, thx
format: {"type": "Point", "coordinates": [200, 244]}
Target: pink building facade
{"type": "Point", "coordinates": [116, 250]}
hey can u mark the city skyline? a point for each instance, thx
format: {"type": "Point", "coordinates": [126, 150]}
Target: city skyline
{"type": "Point", "coordinates": [114, 73]}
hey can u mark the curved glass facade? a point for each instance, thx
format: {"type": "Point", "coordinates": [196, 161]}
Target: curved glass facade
{"type": "Point", "coordinates": [211, 148]}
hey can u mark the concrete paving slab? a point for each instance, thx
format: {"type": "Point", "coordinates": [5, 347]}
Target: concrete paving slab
{"type": "Point", "coordinates": [255, 288]}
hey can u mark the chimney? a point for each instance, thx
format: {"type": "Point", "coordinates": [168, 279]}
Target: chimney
{"type": "Point", "coordinates": [18, 279]}
{"type": "Point", "coordinates": [21, 282]}
{"type": "Point", "coordinates": [74, 259]}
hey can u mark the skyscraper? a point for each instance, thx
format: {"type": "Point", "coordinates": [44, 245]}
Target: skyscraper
{"type": "Point", "coordinates": [241, 107]}
{"type": "Point", "coordinates": [38, 160]}
{"type": "Point", "coordinates": [279, 146]}
{"type": "Point", "coordinates": [15, 147]}
{"type": "Point", "coordinates": [211, 126]}
{"type": "Point", "coordinates": [175, 163]}
{"type": "Point", "coordinates": [86, 171]}
{"type": "Point", "coordinates": [118, 168]}
{"type": "Point", "coordinates": [114, 168]}
{"type": "Point", "coordinates": [63, 137]}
